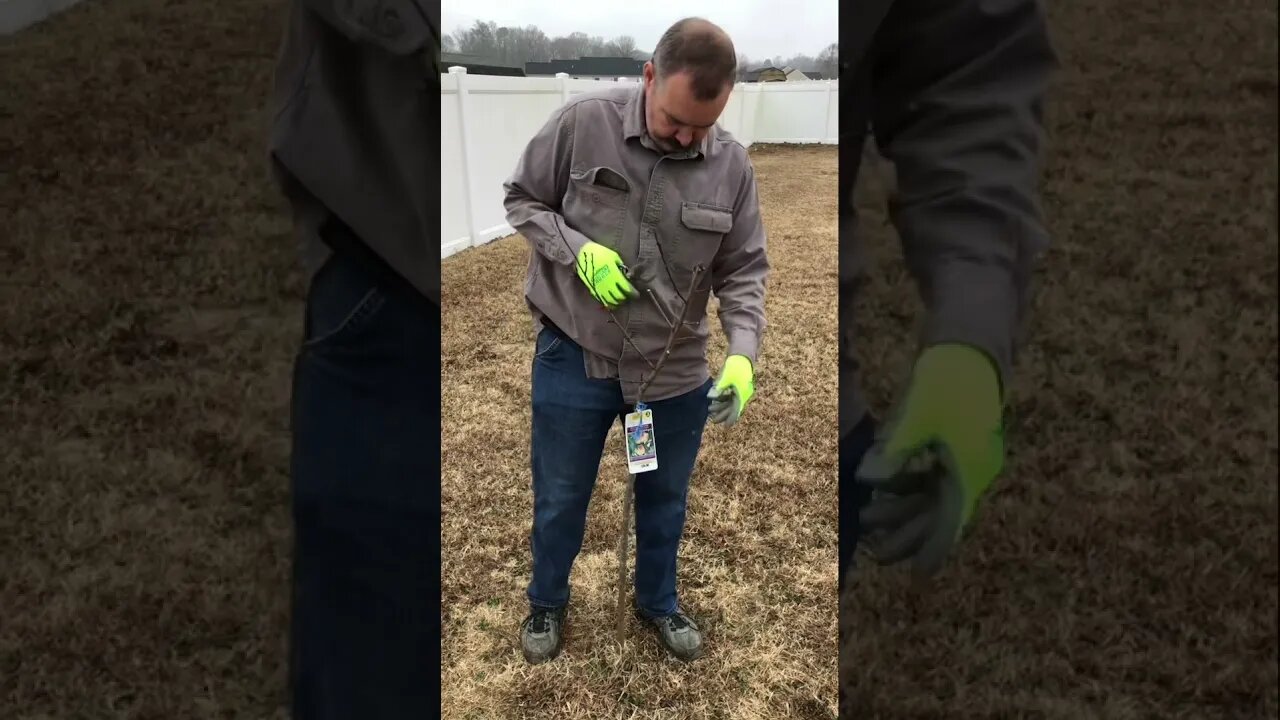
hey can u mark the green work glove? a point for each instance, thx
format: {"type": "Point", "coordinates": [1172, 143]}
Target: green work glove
{"type": "Point", "coordinates": [731, 393]}
{"type": "Point", "coordinates": [601, 270]}
{"type": "Point", "coordinates": [935, 458]}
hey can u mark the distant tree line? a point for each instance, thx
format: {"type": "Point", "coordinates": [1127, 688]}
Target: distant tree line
{"type": "Point", "coordinates": [517, 46]}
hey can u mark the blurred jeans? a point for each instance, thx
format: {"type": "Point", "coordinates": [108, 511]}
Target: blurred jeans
{"type": "Point", "coordinates": [365, 635]}
{"type": "Point", "coordinates": [853, 495]}
{"type": "Point", "coordinates": [572, 415]}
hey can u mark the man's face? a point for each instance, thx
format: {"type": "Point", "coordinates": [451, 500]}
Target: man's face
{"type": "Point", "coordinates": [675, 118]}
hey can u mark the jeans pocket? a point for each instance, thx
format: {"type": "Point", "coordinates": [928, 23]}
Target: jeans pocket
{"type": "Point", "coordinates": [341, 303]}
{"type": "Point", "coordinates": [546, 344]}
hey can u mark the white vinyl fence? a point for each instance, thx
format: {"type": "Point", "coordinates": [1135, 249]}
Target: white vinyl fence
{"type": "Point", "coordinates": [486, 120]}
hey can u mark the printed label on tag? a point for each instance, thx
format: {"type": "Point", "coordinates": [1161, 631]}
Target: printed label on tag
{"type": "Point", "coordinates": [642, 445]}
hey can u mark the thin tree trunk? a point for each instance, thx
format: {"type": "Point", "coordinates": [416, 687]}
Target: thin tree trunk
{"type": "Point", "coordinates": [628, 503]}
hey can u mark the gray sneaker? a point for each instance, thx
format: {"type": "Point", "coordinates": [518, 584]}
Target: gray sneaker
{"type": "Point", "coordinates": [542, 634]}
{"type": "Point", "coordinates": [679, 635]}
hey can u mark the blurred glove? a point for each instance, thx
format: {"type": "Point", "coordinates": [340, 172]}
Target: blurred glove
{"type": "Point", "coordinates": [935, 458]}
{"type": "Point", "coordinates": [731, 393]}
{"type": "Point", "coordinates": [601, 270]}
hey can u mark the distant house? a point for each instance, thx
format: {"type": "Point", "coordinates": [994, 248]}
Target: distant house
{"type": "Point", "coordinates": [588, 68]}
{"type": "Point", "coordinates": [770, 73]}
{"type": "Point", "coordinates": [767, 73]}
{"type": "Point", "coordinates": [477, 65]}
{"type": "Point", "coordinates": [815, 75]}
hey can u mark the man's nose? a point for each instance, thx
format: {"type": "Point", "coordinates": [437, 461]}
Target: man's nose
{"type": "Point", "coordinates": [685, 137]}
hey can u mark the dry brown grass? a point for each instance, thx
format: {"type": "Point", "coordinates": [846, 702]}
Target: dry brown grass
{"type": "Point", "coordinates": [148, 315]}
{"type": "Point", "coordinates": [1125, 566]}
{"type": "Point", "coordinates": [758, 561]}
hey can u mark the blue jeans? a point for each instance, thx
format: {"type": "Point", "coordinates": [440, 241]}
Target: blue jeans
{"type": "Point", "coordinates": [365, 635]}
{"type": "Point", "coordinates": [572, 415]}
{"type": "Point", "coordinates": [853, 495]}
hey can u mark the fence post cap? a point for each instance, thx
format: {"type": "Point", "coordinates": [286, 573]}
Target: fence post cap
{"type": "Point", "coordinates": [562, 75]}
{"type": "Point", "coordinates": [456, 69]}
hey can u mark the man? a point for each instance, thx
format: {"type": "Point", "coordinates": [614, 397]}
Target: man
{"type": "Point", "coordinates": [354, 148]}
{"type": "Point", "coordinates": [953, 93]}
{"type": "Point", "coordinates": [637, 207]}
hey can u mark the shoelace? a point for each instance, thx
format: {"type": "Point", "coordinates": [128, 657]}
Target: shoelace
{"type": "Point", "coordinates": [540, 622]}
{"type": "Point", "coordinates": [677, 622]}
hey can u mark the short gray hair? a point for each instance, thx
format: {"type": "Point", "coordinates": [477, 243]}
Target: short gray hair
{"type": "Point", "coordinates": [701, 48]}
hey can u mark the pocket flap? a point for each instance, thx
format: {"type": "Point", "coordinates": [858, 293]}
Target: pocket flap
{"type": "Point", "coordinates": [696, 216]}
{"type": "Point", "coordinates": [602, 177]}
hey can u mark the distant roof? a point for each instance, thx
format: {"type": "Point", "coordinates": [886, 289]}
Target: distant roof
{"type": "Point", "coordinates": [814, 75]}
{"type": "Point", "coordinates": [754, 74]}
{"type": "Point", "coordinates": [596, 66]}
{"type": "Point", "coordinates": [480, 65]}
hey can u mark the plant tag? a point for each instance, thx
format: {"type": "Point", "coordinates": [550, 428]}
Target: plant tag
{"type": "Point", "coordinates": [642, 445]}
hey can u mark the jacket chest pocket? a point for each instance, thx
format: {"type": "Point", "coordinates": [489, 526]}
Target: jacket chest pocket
{"type": "Point", "coordinates": [699, 232]}
{"type": "Point", "coordinates": [595, 204]}
{"type": "Point", "coordinates": [701, 229]}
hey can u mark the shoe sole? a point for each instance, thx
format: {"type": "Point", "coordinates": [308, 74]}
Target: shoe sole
{"type": "Point", "coordinates": [682, 658]}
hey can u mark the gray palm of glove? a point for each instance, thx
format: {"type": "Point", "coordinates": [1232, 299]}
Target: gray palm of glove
{"type": "Point", "coordinates": [914, 510]}
{"type": "Point", "coordinates": [724, 406]}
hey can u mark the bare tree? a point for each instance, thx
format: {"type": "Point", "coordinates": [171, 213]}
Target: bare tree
{"type": "Point", "coordinates": [828, 61]}
{"type": "Point", "coordinates": [600, 46]}
{"type": "Point", "coordinates": [624, 45]}
{"type": "Point", "coordinates": [571, 46]}
{"type": "Point", "coordinates": [527, 44]}
{"type": "Point", "coordinates": [624, 536]}
{"type": "Point", "coordinates": [479, 39]}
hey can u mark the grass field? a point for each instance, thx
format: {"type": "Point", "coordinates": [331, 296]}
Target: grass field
{"type": "Point", "coordinates": [758, 561]}
{"type": "Point", "coordinates": [149, 311]}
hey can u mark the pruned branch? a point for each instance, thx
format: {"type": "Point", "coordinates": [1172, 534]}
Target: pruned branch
{"type": "Point", "coordinates": [625, 535]}
{"type": "Point", "coordinates": [671, 337]}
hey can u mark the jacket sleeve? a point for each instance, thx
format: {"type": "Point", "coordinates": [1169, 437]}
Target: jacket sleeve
{"type": "Point", "coordinates": [535, 190]}
{"type": "Point", "coordinates": [401, 27]}
{"type": "Point", "coordinates": [962, 123]}
{"type": "Point", "coordinates": [739, 271]}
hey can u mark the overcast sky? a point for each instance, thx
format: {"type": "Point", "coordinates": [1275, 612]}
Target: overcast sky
{"type": "Point", "coordinates": [759, 29]}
